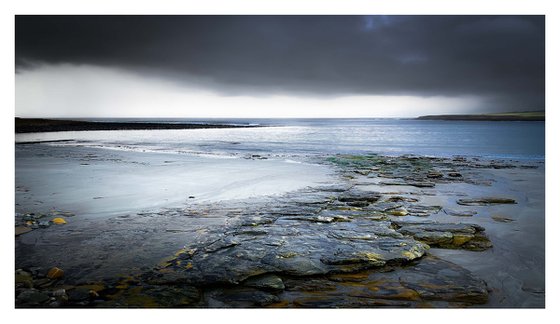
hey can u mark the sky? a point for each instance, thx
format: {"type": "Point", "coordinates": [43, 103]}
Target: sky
{"type": "Point", "coordinates": [277, 66]}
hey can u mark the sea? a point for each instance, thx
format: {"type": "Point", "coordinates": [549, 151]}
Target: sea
{"type": "Point", "coordinates": [284, 137]}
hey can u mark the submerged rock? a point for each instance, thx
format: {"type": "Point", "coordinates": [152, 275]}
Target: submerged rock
{"type": "Point", "coordinates": [174, 296]}
{"type": "Point", "coordinates": [460, 213]}
{"type": "Point", "coordinates": [485, 201]}
{"type": "Point", "coordinates": [425, 283]}
{"type": "Point", "coordinates": [422, 184]}
{"type": "Point", "coordinates": [419, 184]}
{"type": "Point", "coordinates": [442, 280]}
{"type": "Point", "coordinates": [502, 219]}
{"type": "Point", "coordinates": [240, 297]}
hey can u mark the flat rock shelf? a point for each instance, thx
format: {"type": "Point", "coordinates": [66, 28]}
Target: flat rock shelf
{"type": "Point", "coordinates": [364, 241]}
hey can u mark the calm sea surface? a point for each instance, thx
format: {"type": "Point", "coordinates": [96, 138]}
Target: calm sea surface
{"type": "Point", "coordinates": [515, 140]}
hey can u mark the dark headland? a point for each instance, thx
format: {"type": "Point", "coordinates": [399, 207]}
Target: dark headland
{"type": "Point", "coordinates": [507, 116]}
{"type": "Point", "coordinates": [32, 125]}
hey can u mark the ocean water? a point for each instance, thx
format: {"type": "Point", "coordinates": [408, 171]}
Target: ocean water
{"type": "Point", "coordinates": [285, 137]}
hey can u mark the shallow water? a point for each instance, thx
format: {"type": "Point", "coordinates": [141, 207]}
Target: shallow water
{"type": "Point", "coordinates": [97, 181]}
{"type": "Point", "coordinates": [509, 140]}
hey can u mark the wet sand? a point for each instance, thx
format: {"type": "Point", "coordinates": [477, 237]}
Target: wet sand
{"type": "Point", "coordinates": [114, 195]}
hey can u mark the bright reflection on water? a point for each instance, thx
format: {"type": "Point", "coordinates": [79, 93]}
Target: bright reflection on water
{"type": "Point", "coordinates": [517, 140]}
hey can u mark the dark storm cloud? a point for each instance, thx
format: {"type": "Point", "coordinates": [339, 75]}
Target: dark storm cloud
{"type": "Point", "coordinates": [500, 58]}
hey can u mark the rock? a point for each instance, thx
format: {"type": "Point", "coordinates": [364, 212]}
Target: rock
{"type": "Point", "coordinates": [362, 257]}
{"type": "Point", "coordinates": [424, 283]}
{"type": "Point", "coordinates": [58, 221]}
{"type": "Point", "coordinates": [435, 279]}
{"type": "Point", "coordinates": [358, 203]}
{"type": "Point", "coordinates": [168, 277]}
{"type": "Point", "coordinates": [31, 297]}
{"type": "Point", "coordinates": [465, 236]}
{"type": "Point", "coordinates": [55, 273]}
{"type": "Point", "coordinates": [461, 239]}
{"type": "Point", "coordinates": [359, 196]}
{"type": "Point", "coordinates": [58, 293]}
{"type": "Point", "coordinates": [460, 213]}
{"type": "Point", "coordinates": [419, 184]}
{"type": "Point", "coordinates": [300, 266]}
{"type": "Point", "coordinates": [434, 175]}
{"type": "Point", "coordinates": [433, 238]}
{"type": "Point", "coordinates": [22, 230]}
{"type": "Point", "coordinates": [401, 199]}
{"type": "Point", "coordinates": [502, 219]}
{"type": "Point", "coordinates": [486, 201]}
{"type": "Point", "coordinates": [422, 211]}
{"type": "Point", "coordinates": [322, 219]}
{"type": "Point", "coordinates": [356, 198]}
{"type": "Point", "coordinates": [399, 211]}
{"type": "Point", "coordinates": [454, 175]}
{"type": "Point", "coordinates": [266, 281]}
{"type": "Point", "coordinates": [44, 224]}
{"type": "Point", "coordinates": [43, 283]}
{"type": "Point", "coordinates": [422, 184]}
{"type": "Point", "coordinates": [79, 294]}
{"type": "Point", "coordinates": [24, 279]}
{"type": "Point", "coordinates": [37, 271]}
{"type": "Point", "coordinates": [221, 244]}
{"type": "Point", "coordinates": [478, 243]}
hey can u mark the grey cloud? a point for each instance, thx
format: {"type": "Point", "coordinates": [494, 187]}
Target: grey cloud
{"type": "Point", "coordinates": [500, 58]}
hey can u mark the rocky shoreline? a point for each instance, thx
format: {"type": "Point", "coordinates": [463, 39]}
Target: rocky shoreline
{"type": "Point", "coordinates": [362, 242]}
{"type": "Point", "coordinates": [520, 116]}
{"type": "Point", "coordinates": [34, 125]}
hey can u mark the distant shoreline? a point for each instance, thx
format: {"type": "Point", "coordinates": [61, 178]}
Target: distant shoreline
{"type": "Point", "coordinates": [514, 116]}
{"type": "Point", "coordinates": [36, 125]}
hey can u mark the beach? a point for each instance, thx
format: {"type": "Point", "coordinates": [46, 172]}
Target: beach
{"type": "Point", "coordinates": [149, 228]}
{"type": "Point", "coordinates": [281, 162]}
